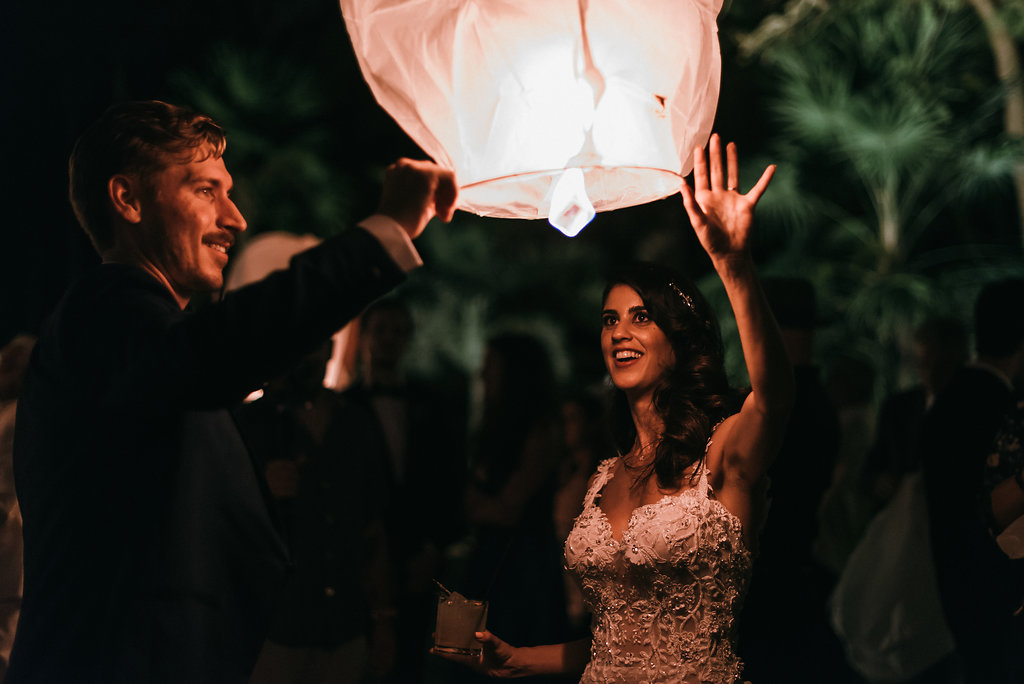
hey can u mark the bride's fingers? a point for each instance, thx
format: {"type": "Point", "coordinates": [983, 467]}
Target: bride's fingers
{"type": "Point", "coordinates": [693, 210]}
{"type": "Point", "coordinates": [762, 184]}
{"type": "Point", "coordinates": [715, 155]}
{"type": "Point", "coordinates": [700, 170]}
{"type": "Point", "coordinates": [732, 167]}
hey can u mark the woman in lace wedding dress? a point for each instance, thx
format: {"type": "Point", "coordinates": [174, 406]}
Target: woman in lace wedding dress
{"type": "Point", "coordinates": [663, 546]}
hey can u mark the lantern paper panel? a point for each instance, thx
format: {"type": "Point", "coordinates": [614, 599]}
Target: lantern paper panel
{"type": "Point", "coordinates": [511, 94]}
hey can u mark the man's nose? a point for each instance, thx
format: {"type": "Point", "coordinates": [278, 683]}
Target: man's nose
{"type": "Point", "coordinates": [231, 217]}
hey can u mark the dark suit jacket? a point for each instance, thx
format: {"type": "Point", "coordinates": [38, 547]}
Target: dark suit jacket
{"type": "Point", "coordinates": [339, 495]}
{"type": "Point", "coordinates": [894, 451]}
{"type": "Point", "coordinates": [976, 580]}
{"type": "Point", "coordinates": [150, 555]}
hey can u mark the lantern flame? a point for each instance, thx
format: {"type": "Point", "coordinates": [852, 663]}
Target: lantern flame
{"type": "Point", "coordinates": [570, 209]}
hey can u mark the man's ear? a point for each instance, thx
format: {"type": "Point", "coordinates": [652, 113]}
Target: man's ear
{"type": "Point", "coordinates": [124, 193]}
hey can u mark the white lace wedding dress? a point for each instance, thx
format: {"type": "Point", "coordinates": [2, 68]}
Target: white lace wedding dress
{"type": "Point", "coordinates": [666, 597]}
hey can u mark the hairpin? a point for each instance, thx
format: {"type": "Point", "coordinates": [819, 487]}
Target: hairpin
{"type": "Point", "coordinates": [685, 297]}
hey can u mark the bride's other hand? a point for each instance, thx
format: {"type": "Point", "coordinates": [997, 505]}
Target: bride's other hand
{"type": "Point", "coordinates": [496, 659]}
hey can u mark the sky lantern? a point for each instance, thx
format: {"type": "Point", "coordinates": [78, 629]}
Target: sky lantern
{"type": "Point", "coordinates": [550, 109]}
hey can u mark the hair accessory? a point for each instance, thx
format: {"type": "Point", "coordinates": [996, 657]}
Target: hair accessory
{"type": "Point", "coordinates": [685, 297]}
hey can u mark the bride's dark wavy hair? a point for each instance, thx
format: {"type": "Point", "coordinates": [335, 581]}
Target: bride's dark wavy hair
{"type": "Point", "coordinates": [694, 395]}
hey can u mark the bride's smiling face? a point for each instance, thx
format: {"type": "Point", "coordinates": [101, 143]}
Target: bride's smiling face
{"type": "Point", "coordinates": [636, 351]}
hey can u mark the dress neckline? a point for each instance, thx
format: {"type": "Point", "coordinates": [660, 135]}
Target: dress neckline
{"type": "Point", "coordinates": [606, 475]}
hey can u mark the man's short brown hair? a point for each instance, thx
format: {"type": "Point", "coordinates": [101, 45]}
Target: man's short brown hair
{"type": "Point", "coordinates": [133, 138]}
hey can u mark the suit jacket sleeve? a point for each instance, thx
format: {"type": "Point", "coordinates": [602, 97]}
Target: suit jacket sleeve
{"type": "Point", "coordinates": [223, 351]}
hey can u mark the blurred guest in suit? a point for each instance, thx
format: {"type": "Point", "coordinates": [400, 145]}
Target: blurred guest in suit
{"type": "Point", "coordinates": [978, 584]}
{"type": "Point", "coordinates": [423, 431]}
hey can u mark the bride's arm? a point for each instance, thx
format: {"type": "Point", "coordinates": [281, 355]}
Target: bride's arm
{"type": "Point", "coordinates": [722, 219]}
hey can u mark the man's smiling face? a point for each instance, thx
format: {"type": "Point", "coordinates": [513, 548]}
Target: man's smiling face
{"type": "Point", "coordinates": [188, 224]}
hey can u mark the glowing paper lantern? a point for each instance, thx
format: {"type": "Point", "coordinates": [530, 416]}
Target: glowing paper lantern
{"type": "Point", "coordinates": [546, 108]}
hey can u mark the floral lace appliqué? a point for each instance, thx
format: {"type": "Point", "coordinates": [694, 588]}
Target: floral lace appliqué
{"type": "Point", "coordinates": [665, 599]}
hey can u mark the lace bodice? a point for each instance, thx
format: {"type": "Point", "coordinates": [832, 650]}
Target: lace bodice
{"type": "Point", "coordinates": [665, 599]}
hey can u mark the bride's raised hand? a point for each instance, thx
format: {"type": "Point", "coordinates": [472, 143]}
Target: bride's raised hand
{"type": "Point", "coordinates": [720, 215]}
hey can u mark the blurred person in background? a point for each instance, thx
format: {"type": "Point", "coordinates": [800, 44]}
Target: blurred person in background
{"type": "Point", "coordinates": [423, 462]}
{"type": "Point", "coordinates": [334, 622]}
{"type": "Point", "coordinates": [1003, 496]}
{"type": "Point", "coordinates": [786, 606]}
{"type": "Point", "coordinates": [978, 584]}
{"type": "Point", "coordinates": [516, 558]}
{"type": "Point", "coordinates": [847, 506]}
{"type": "Point", "coordinates": [941, 346]}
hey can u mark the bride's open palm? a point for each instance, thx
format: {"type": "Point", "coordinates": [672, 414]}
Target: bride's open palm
{"type": "Point", "coordinates": [720, 215]}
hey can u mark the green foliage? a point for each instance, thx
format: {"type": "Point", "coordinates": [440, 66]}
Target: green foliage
{"type": "Point", "coordinates": [873, 90]}
{"type": "Point", "coordinates": [890, 125]}
{"type": "Point", "coordinates": [1012, 14]}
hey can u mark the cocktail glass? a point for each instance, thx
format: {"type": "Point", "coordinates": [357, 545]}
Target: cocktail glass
{"type": "Point", "coordinates": [457, 619]}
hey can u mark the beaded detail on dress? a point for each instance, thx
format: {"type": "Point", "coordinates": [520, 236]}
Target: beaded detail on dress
{"type": "Point", "coordinates": [666, 598]}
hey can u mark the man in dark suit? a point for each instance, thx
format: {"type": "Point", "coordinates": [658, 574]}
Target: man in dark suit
{"type": "Point", "coordinates": [978, 584]}
{"type": "Point", "coordinates": [150, 554]}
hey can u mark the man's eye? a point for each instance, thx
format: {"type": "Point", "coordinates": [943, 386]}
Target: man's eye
{"type": "Point", "coordinates": [206, 191]}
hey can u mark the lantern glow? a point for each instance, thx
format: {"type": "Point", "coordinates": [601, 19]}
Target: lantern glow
{"type": "Point", "coordinates": [513, 95]}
